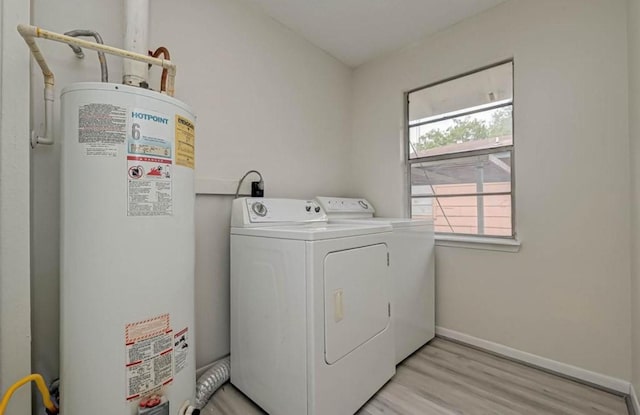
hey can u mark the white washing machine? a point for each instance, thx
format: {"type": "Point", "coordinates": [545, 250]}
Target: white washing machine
{"type": "Point", "coordinates": [310, 308]}
{"type": "Point", "coordinates": [412, 270]}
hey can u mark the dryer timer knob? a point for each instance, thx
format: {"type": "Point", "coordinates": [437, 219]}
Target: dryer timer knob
{"type": "Point", "coordinates": [259, 209]}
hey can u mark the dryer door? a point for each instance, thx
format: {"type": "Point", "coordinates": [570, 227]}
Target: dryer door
{"type": "Point", "coordinates": [356, 298]}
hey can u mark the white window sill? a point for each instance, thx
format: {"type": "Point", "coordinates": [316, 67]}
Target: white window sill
{"type": "Point", "coordinates": [478, 242]}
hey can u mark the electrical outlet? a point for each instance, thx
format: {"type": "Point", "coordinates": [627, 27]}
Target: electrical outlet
{"type": "Point", "coordinates": [257, 189]}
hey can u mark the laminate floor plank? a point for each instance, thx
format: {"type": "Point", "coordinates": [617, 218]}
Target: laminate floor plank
{"type": "Point", "coordinates": [449, 393]}
{"type": "Point", "coordinates": [515, 387]}
{"type": "Point", "coordinates": [448, 378]}
{"type": "Point", "coordinates": [551, 382]}
{"type": "Point", "coordinates": [469, 395]}
{"type": "Point", "coordinates": [397, 399]}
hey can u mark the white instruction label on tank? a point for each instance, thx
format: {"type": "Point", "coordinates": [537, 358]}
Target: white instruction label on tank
{"type": "Point", "coordinates": [149, 164]}
{"type": "Point", "coordinates": [149, 186]}
{"type": "Point", "coordinates": [149, 356]}
{"type": "Point", "coordinates": [181, 348]}
{"type": "Point", "coordinates": [102, 128]}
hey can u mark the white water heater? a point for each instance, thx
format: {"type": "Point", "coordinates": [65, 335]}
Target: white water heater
{"type": "Point", "coordinates": [127, 254]}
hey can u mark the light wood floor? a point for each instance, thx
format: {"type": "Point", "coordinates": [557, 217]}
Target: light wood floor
{"type": "Point", "coordinates": [446, 378]}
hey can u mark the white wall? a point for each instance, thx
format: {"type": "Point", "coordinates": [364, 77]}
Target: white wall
{"type": "Point", "coordinates": [565, 295]}
{"type": "Point", "coordinates": [634, 125]}
{"type": "Point", "coordinates": [265, 98]}
{"type": "Point", "coordinates": [15, 327]}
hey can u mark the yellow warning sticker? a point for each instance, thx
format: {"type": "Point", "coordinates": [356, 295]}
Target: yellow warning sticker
{"type": "Point", "coordinates": [185, 142]}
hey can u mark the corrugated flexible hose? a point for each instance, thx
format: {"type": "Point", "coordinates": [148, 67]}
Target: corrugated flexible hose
{"type": "Point", "coordinates": [211, 380]}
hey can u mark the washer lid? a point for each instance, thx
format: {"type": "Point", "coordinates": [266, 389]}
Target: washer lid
{"type": "Point", "coordinates": [313, 232]}
{"type": "Point", "coordinates": [394, 222]}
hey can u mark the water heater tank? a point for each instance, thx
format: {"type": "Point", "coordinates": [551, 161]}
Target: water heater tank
{"type": "Point", "coordinates": [127, 254]}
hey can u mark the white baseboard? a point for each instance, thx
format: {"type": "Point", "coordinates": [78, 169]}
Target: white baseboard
{"type": "Point", "coordinates": [598, 379]}
{"type": "Point", "coordinates": [634, 399]}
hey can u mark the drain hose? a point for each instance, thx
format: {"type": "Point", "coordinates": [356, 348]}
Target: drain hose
{"type": "Point", "coordinates": [211, 380]}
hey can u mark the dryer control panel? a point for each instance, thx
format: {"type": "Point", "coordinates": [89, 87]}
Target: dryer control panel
{"type": "Point", "coordinates": [264, 211]}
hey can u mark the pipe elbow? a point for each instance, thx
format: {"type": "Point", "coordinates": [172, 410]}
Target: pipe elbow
{"type": "Point", "coordinates": [26, 30]}
{"type": "Point", "coordinates": [49, 81]}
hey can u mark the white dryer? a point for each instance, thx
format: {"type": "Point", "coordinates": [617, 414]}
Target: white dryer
{"type": "Point", "coordinates": [412, 270]}
{"type": "Point", "coordinates": [310, 308]}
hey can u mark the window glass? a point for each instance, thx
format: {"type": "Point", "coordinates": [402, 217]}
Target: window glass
{"type": "Point", "coordinates": [469, 215]}
{"type": "Point", "coordinates": [487, 173]}
{"type": "Point", "coordinates": [486, 129]}
{"type": "Point", "coordinates": [479, 89]}
{"type": "Point", "coordinates": [461, 149]}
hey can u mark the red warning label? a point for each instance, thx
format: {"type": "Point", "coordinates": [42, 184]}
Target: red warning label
{"type": "Point", "coordinates": [149, 356]}
{"type": "Point", "coordinates": [146, 329]}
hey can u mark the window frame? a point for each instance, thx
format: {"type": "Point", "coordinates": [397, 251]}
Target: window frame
{"type": "Point", "coordinates": [409, 162]}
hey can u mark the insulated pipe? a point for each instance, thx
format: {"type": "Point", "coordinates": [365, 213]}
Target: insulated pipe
{"type": "Point", "coordinates": [29, 33]}
{"type": "Point", "coordinates": [136, 39]}
{"type": "Point", "coordinates": [104, 73]}
{"type": "Point", "coordinates": [48, 119]}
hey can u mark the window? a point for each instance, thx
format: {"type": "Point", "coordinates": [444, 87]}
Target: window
{"type": "Point", "coordinates": [460, 153]}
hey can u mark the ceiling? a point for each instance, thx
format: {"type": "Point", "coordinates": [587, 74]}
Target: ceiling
{"type": "Point", "coordinates": [356, 31]}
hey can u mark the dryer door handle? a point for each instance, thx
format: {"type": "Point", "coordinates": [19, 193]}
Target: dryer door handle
{"type": "Point", "coordinates": [338, 305]}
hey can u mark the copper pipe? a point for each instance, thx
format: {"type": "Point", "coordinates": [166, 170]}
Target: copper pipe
{"type": "Point", "coordinates": [165, 52]}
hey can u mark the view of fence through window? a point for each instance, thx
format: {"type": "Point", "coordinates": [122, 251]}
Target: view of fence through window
{"type": "Point", "coordinates": [460, 135]}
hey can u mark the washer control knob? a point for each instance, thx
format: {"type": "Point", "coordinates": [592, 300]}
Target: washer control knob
{"type": "Point", "coordinates": [308, 208]}
{"type": "Point", "coordinates": [363, 204]}
{"type": "Point", "coordinates": [317, 209]}
{"type": "Point", "coordinates": [259, 209]}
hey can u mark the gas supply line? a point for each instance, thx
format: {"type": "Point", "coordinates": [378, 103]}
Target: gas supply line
{"type": "Point", "coordinates": [51, 408]}
{"type": "Point", "coordinates": [104, 71]}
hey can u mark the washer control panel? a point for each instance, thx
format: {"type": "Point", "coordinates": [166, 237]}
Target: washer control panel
{"type": "Point", "coordinates": [345, 205]}
{"type": "Point", "coordinates": [268, 210]}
